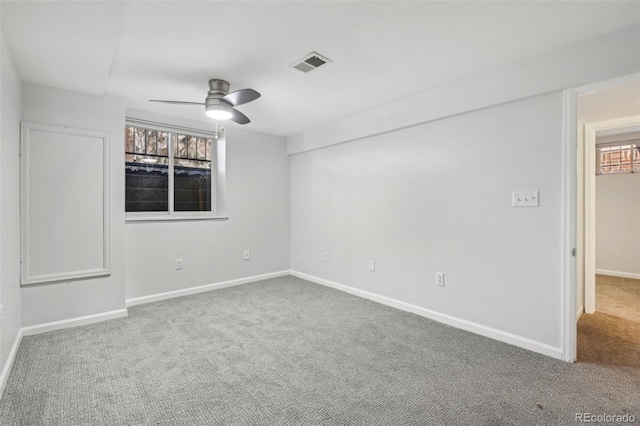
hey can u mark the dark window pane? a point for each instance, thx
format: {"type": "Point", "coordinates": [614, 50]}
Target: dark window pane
{"type": "Point", "coordinates": [192, 177]}
{"type": "Point", "coordinates": [146, 187]}
{"type": "Point", "coordinates": [192, 188]}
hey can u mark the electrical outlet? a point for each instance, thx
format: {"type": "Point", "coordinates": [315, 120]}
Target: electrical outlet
{"type": "Point", "coordinates": [179, 264]}
{"type": "Point", "coordinates": [246, 255]}
{"type": "Point", "coordinates": [440, 279]}
{"type": "Point", "coordinates": [372, 265]}
{"type": "Point", "coordinates": [325, 256]}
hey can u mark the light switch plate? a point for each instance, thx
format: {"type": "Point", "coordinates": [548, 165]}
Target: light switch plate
{"type": "Point", "coordinates": [525, 198]}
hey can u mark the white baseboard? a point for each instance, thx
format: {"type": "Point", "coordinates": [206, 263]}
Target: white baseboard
{"type": "Point", "coordinates": [203, 288]}
{"type": "Point", "coordinates": [618, 274]}
{"type": "Point", "coordinates": [482, 330]}
{"type": "Point", "coordinates": [579, 312]}
{"type": "Point", "coordinates": [73, 322]}
{"type": "Point", "coordinates": [7, 366]}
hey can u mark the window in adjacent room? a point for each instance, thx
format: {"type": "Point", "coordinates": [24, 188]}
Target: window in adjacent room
{"type": "Point", "coordinates": [169, 171]}
{"type": "Point", "coordinates": [618, 157]}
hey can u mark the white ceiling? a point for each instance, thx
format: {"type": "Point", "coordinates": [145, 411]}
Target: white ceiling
{"type": "Point", "coordinates": [381, 51]}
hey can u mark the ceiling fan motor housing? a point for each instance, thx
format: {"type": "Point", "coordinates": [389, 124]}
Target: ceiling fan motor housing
{"type": "Point", "coordinates": [217, 90]}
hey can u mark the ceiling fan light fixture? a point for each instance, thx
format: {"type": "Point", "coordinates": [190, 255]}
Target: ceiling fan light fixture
{"type": "Point", "coordinates": [219, 112]}
{"type": "Point", "coordinates": [219, 103]}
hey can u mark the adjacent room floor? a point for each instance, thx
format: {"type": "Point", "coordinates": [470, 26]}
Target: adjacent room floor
{"type": "Point", "coordinates": [285, 351]}
{"type": "Point", "coordinates": [611, 335]}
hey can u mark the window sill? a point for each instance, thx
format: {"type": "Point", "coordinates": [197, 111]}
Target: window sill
{"type": "Point", "coordinates": [137, 219]}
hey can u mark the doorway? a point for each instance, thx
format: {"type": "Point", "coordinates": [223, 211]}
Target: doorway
{"type": "Point", "coordinates": [573, 225]}
{"type": "Point", "coordinates": [608, 225]}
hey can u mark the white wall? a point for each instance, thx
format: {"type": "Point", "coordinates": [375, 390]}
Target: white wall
{"type": "Point", "coordinates": [257, 204]}
{"type": "Point", "coordinates": [65, 300]}
{"type": "Point", "coordinates": [9, 201]}
{"type": "Point", "coordinates": [618, 224]}
{"type": "Point", "coordinates": [437, 198]}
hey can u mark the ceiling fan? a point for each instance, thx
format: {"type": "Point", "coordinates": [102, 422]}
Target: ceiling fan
{"type": "Point", "coordinates": [220, 104]}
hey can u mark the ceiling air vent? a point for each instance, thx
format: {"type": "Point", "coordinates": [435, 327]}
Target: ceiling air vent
{"type": "Point", "coordinates": [310, 62]}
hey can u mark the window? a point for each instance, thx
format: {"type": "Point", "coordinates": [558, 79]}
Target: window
{"type": "Point", "coordinates": [169, 172]}
{"type": "Point", "coordinates": [618, 157]}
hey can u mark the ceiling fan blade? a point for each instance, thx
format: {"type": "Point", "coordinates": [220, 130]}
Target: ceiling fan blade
{"type": "Point", "coordinates": [239, 117]}
{"type": "Point", "coordinates": [240, 97]}
{"type": "Point", "coordinates": [177, 102]}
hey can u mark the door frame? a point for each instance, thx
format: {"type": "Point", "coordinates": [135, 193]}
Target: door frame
{"type": "Point", "coordinates": [569, 207]}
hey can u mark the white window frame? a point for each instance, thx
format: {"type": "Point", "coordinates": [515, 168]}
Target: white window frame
{"type": "Point", "coordinates": [217, 175]}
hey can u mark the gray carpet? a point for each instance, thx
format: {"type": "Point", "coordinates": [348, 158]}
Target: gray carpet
{"type": "Point", "coordinates": [285, 351]}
